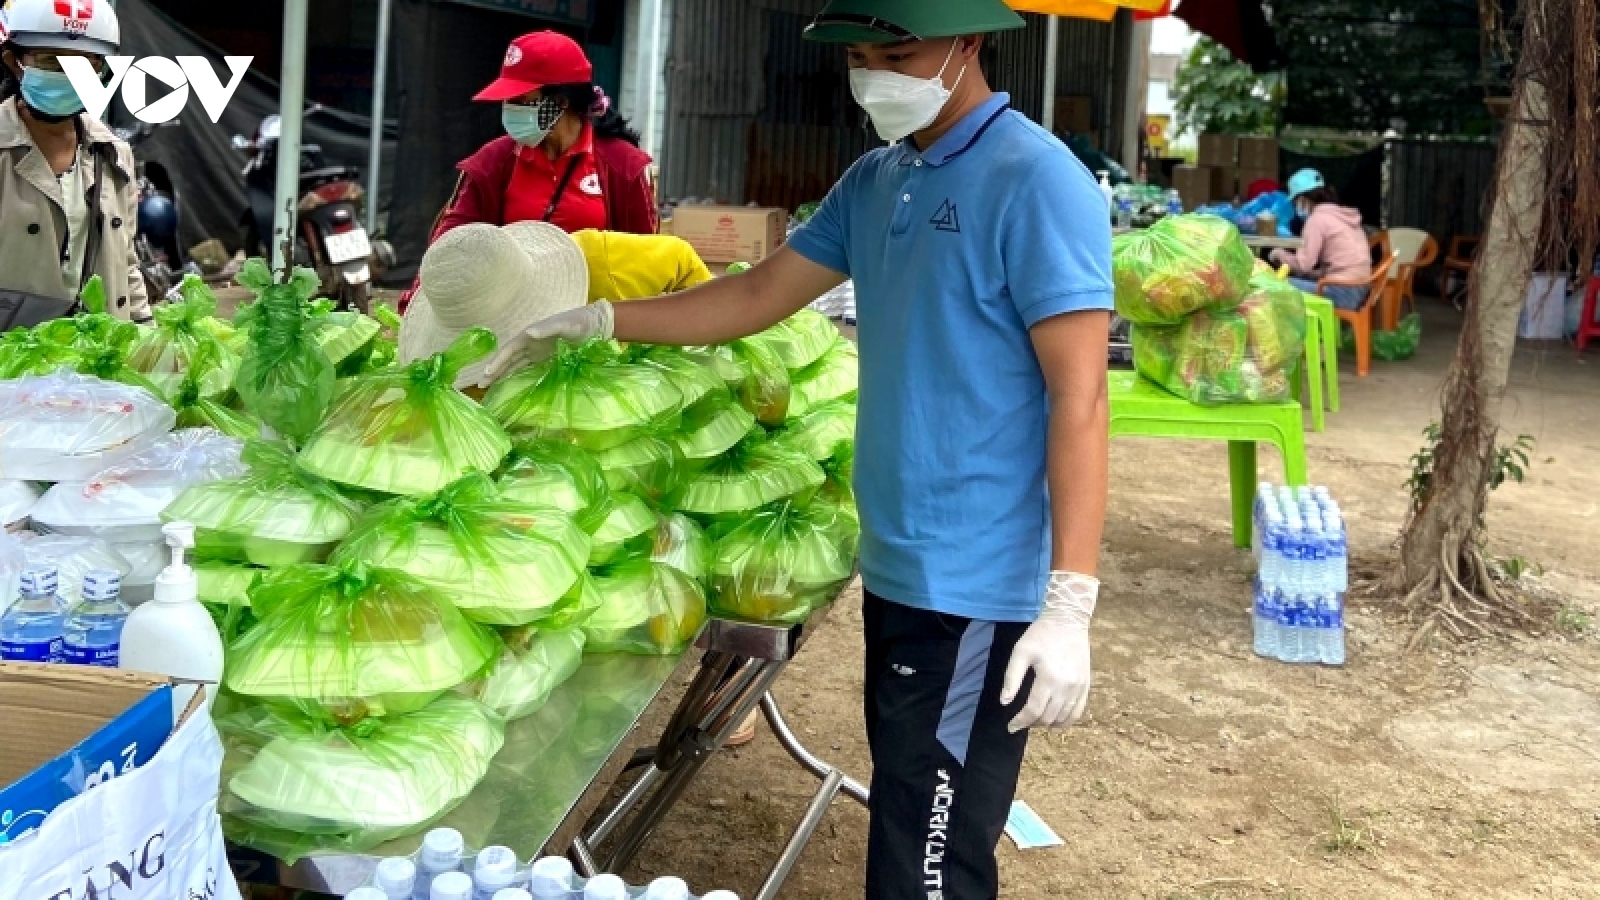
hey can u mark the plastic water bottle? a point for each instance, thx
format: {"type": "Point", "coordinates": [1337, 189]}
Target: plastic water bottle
{"type": "Point", "coordinates": [1265, 620]}
{"type": "Point", "coordinates": [1174, 203]}
{"type": "Point", "coordinates": [605, 887]}
{"type": "Point", "coordinates": [1330, 619]}
{"type": "Point", "coordinates": [93, 632]}
{"type": "Point", "coordinates": [396, 877]}
{"type": "Point", "coordinates": [551, 879]}
{"type": "Point", "coordinates": [1124, 210]}
{"type": "Point", "coordinates": [494, 871]}
{"type": "Point", "coordinates": [366, 893]}
{"type": "Point", "coordinates": [721, 895]}
{"type": "Point", "coordinates": [513, 894]}
{"type": "Point", "coordinates": [451, 886]}
{"type": "Point", "coordinates": [30, 631]}
{"type": "Point", "coordinates": [667, 889]}
{"type": "Point", "coordinates": [440, 854]}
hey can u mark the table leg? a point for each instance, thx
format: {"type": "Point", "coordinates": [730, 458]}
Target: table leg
{"type": "Point", "coordinates": [1330, 356]}
{"type": "Point", "coordinates": [1314, 374]}
{"type": "Point", "coordinates": [1242, 488]}
{"type": "Point", "coordinates": [801, 837]}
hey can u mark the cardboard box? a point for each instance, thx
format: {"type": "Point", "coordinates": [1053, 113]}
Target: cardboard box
{"type": "Point", "coordinates": [1219, 150]}
{"type": "Point", "coordinates": [1223, 185]}
{"type": "Point", "coordinates": [1194, 184]}
{"type": "Point", "coordinates": [1075, 114]}
{"type": "Point", "coordinates": [725, 234]}
{"type": "Point", "coordinates": [1258, 154]}
{"type": "Point", "coordinates": [84, 726]}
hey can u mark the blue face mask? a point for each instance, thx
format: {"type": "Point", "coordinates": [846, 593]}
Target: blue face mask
{"type": "Point", "coordinates": [530, 125]}
{"type": "Point", "coordinates": [50, 93]}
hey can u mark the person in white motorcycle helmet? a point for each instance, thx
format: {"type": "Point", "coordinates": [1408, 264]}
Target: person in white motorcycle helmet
{"type": "Point", "coordinates": [68, 191]}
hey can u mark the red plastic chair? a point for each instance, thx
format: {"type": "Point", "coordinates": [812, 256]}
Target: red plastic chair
{"type": "Point", "coordinates": [1587, 327]}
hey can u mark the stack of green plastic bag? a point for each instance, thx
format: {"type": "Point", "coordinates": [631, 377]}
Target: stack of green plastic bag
{"type": "Point", "coordinates": [105, 356]}
{"type": "Point", "coordinates": [711, 428]}
{"type": "Point", "coordinates": [224, 589]}
{"type": "Point", "coordinates": [681, 543]}
{"type": "Point", "coordinates": [182, 333]}
{"type": "Point", "coordinates": [627, 527]}
{"type": "Point", "coordinates": [755, 374]}
{"type": "Point", "coordinates": [649, 466]}
{"type": "Point", "coordinates": [1245, 353]}
{"type": "Point", "coordinates": [1178, 266]}
{"type": "Point", "coordinates": [294, 785]}
{"type": "Point", "coordinates": [347, 338]}
{"type": "Point", "coordinates": [822, 429]}
{"type": "Point", "coordinates": [694, 380]}
{"type": "Point", "coordinates": [780, 563]}
{"type": "Point", "coordinates": [756, 472]}
{"type": "Point", "coordinates": [833, 376]}
{"type": "Point", "coordinates": [284, 379]}
{"type": "Point", "coordinates": [408, 430]}
{"type": "Point", "coordinates": [347, 643]}
{"type": "Point", "coordinates": [801, 339]}
{"type": "Point", "coordinates": [196, 409]}
{"type": "Point", "coordinates": [500, 561]}
{"type": "Point", "coordinates": [586, 394]}
{"type": "Point", "coordinates": [647, 608]}
{"type": "Point", "coordinates": [275, 516]}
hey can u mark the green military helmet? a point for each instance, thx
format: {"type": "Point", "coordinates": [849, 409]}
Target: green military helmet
{"type": "Point", "coordinates": [892, 21]}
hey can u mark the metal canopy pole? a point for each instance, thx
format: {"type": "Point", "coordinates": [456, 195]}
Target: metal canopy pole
{"type": "Point", "coordinates": [291, 107]}
{"type": "Point", "coordinates": [650, 72]}
{"type": "Point", "coordinates": [380, 86]}
{"type": "Point", "coordinates": [1052, 52]}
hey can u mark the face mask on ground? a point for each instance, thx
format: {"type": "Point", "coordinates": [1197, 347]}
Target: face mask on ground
{"type": "Point", "coordinates": [530, 125]}
{"type": "Point", "coordinates": [898, 104]}
{"type": "Point", "coordinates": [50, 93]}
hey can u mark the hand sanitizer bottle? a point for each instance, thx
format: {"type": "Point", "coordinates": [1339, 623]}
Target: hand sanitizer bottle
{"type": "Point", "coordinates": [173, 635]}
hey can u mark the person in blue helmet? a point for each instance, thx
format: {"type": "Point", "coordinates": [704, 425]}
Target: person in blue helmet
{"type": "Point", "coordinates": [1335, 244]}
{"type": "Point", "coordinates": [981, 257]}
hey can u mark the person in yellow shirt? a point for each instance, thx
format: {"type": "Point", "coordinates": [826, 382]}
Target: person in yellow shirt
{"type": "Point", "coordinates": [626, 266]}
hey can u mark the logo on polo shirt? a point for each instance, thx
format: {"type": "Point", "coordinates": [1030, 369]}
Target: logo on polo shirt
{"type": "Point", "coordinates": [590, 185]}
{"type": "Point", "coordinates": [946, 219]}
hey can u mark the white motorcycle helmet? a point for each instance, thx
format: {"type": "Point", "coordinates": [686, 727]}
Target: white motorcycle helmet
{"type": "Point", "coordinates": [87, 26]}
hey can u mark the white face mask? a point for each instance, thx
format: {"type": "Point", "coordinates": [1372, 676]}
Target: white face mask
{"type": "Point", "coordinates": [898, 104]}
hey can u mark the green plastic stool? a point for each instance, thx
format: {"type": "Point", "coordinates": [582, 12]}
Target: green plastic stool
{"type": "Point", "coordinates": [1140, 408]}
{"type": "Point", "coordinates": [1319, 310]}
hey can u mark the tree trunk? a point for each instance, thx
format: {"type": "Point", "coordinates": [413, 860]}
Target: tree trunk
{"type": "Point", "coordinates": [1440, 546]}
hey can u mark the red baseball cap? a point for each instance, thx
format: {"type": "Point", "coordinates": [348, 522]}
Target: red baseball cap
{"type": "Point", "coordinates": [535, 60]}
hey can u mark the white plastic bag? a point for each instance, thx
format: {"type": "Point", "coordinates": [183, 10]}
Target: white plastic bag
{"type": "Point", "coordinates": [152, 834]}
{"type": "Point", "coordinates": [66, 427]}
{"type": "Point", "coordinates": [17, 499]}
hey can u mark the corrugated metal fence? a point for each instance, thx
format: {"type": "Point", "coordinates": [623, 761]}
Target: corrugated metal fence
{"type": "Point", "coordinates": [756, 114]}
{"type": "Point", "coordinates": [1442, 186]}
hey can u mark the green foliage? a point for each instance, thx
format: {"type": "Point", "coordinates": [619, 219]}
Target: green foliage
{"type": "Point", "coordinates": [1216, 93]}
{"type": "Point", "coordinates": [1573, 621]}
{"type": "Point", "coordinates": [1510, 463]}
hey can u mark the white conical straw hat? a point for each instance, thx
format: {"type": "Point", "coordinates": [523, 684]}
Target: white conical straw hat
{"type": "Point", "coordinates": [503, 279]}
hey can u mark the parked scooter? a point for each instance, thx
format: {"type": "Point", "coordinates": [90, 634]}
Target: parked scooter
{"type": "Point", "coordinates": [329, 236]}
{"type": "Point", "coordinates": [161, 260]}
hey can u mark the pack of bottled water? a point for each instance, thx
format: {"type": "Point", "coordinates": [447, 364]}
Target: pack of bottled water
{"type": "Point", "coordinates": [443, 870]}
{"type": "Point", "coordinates": [1302, 573]}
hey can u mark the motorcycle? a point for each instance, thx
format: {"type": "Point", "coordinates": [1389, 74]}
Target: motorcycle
{"type": "Point", "coordinates": [161, 261]}
{"type": "Point", "coordinates": [329, 237]}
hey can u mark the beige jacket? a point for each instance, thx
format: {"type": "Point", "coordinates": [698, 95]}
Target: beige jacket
{"type": "Point", "coordinates": [33, 220]}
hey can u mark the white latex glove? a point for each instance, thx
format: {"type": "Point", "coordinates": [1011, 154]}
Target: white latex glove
{"type": "Point", "coordinates": [1055, 648]}
{"type": "Point", "coordinates": [595, 320]}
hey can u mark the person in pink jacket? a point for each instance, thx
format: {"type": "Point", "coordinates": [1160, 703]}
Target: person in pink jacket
{"type": "Point", "coordinates": [1335, 244]}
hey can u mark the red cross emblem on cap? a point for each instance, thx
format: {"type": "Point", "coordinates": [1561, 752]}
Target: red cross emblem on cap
{"type": "Point", "coordinates": [75, 9]}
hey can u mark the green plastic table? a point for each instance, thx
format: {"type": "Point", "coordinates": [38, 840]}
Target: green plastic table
{"type": "Point", "coordinates": [1140, 408]}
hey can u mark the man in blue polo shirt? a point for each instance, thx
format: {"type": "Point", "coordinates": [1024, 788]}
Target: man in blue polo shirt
{"type": "Point", "coordinates": [981, 253]}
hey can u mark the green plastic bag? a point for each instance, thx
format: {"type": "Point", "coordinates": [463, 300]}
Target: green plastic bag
{"type": "Point", "coordinates": [173, 346]}
{"type": "Point", "coordinates": [650, 466]}
{"type": "Point", "coordinates": [834, 376]}
{"type": "Point", "coordinates": [384, 350]}
{"type": "Point", "coordinates": [347, 643]}
{"type": "Point", "coordinates": [345, 337]}
{"type": "Point", "coordinates": [694, 380]}
{"type": "Point", "coordinates": [711, 428]}
{"type": "Point", "coordinates": [533, 664]}
{"type": "Point", "coordinates": [758, 379]}
{"type": "Point", "coordinates": [682, 544]}
{"type": "Point", "coordinates": [801, 339]}
{"type": "Point", "coordinates": [648, 608]}
{"type": "Point", "coordinates": [28, 351]}
{"type": "Point", "coordinates": [284, 379]}
{"type": "Point", "coordinates": [293, 785]}
{"type": "Point", "coordinates": [1390, 346]}
{"type": "Point", "coordinates": [756, 472]}
{"type": "Point", "coordinates": [558, 475]}
{"type": "Point", "coordinates": [409, 431]}
{"type": "Point", "coordinates": [780, 563]}
{"type": "Point", "coordinates": [275, 516]}
{"type": "Point", "coordinates": [105, 356]}
{"type": "Point", "coordinates": [224, 590]}
{"type": "Point", "coordinates": [500, 562]}
{"type": "Point", "coordinates": [822, 429]}
{"type": "Point", "coordinates": [584, 394]}
{"type": "Point", "coordinates": [1178, 266]}
{"type": "Point", "coordinates": [626, 529]}
{"type": "Point", "coordinates": [196, 410]}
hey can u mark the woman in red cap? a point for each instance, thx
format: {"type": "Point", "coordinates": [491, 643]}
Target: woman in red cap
{"type": "Point", "coordinates": [567, 157]}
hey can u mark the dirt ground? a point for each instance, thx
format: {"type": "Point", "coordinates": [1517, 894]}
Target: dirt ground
{"type": "Point", "coordinates": [1205, 772]}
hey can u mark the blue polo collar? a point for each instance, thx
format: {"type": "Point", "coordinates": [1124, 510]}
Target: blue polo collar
{"type": "Point", "coordinates": [960, 138]}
